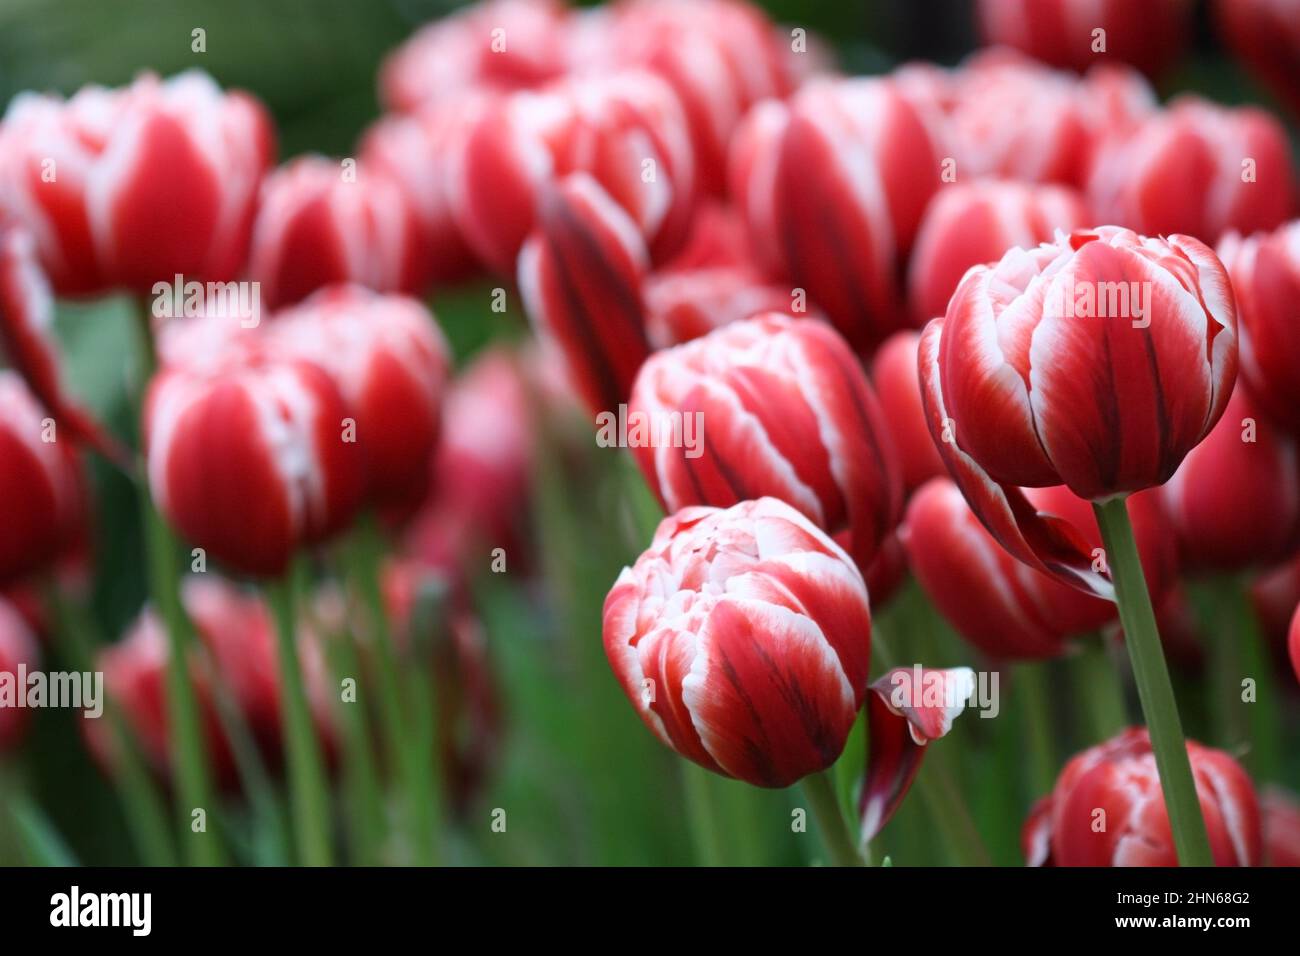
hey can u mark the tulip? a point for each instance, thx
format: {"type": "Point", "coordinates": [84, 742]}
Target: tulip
{"type": "Point", "coordinates": [42, 509]}
{"type": "Point", "coordinates": [833, 185]}
{"type": "Point", "coordinates": [1266, 35]}
{"type": "Point", "coordinates": [1003, 606]}
{"type": "Point", "coordinates": [481, 471]}
{"type": "Point", "coordinates": [499, 45]}
{"type": "Point", "coordinates": [1265, 271]}
{"type": "Point", "coordinates": [1281, 823]}
{"type": "Point", "coordinates": [969, 224]}
{"type": "Point", "coordinates": [17, 648]}
{"type": "Point", "coordinates": [414, 152]}
{"type": "Point", "coordinates": [719, 56]}
{"type": "Point", "coordinates": [27, 338]}
{"type": "Point", "coordinates": [235, 656]}
{"type": "Point", "coordinates": [784, 410]}
{"type": "Point", "coordinates": [893, 373]}
{"type": "Point", "coordinates": [249, 456]}
{"type": "Point", "coordinates": [1273, 599]}
{"type": "Point", "coordinates": [1195, 168]}
{"type": "Point", "coordinates": [743, 637]}
{"type": "Point", "coordinates": [124, 188]}
{"type": "Point", "coordinates": [1235, 502]}
{"type": "Point", "coordinates": [685, 305]}
{"type": "Point", "coordinates": [1123, 387]}
{"type": "Point", "coordinates": [1106, 809]}
{"type": "Point", "coordinates": [390, 362]}
{"type": "Point", "coordinates": [1063, 33]}
{"type": "Point", "coordinates": [581, 275]}
{"type": "Point", "coordinates": [626, 131]}
{"type": "Point", "coordinates": [322, 222]}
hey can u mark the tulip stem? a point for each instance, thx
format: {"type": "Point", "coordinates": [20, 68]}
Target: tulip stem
{"type": "Point", "coordinates": [701, 814]}
{"type": "Point", "coordinates": [1099, 691]}
{"type": "Point", "coordinates": [1036, 712]}
{"type": "Point", "coordinates": [829, 816]}
{"type": "Point", "coordinates": [1151, 674]}
{"type": "Point", "coordinates": [307, 786]}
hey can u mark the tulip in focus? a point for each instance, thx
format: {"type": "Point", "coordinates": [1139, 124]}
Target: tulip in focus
{"type": "Point", "coordinates": [743, 639]}
{"type": "Point", "coordinates": [17, 648]}
{"type": "Point", "coordinates": [785, 411]}
{"type": "Point", "coordinates": [969, 224]}
{"type": "Point", "coordinates": [1195, 168]}
{"type": "Point", "coordinates": [323, 221]}
{"type": "Point", "coordinates": [391, 362]}
{"type": "Point", "coordinates": [1149, 34]}
{"type": "Point", "coordinates": [1042, 374]}
{"type": "Point", "coordinates": [581, 275]}
{"type": "Point", "coordinates": [126, 187]}
{"type": "Point", "coordinates": [1265, 271]}
{"type": "Point", "coordinates": [1107, 810]}
{"type": "Point", "coordinates": [247, 457]}
{"type": "Point", "coordinates": [42, 509]}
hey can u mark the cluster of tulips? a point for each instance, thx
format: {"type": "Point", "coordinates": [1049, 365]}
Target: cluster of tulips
{"type": "Point", "coordinates": [1019, 331]}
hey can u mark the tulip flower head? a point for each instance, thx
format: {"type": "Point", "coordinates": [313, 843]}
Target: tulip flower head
{"type": "Point", "coordinates": [127, 187]}
{"type": "Point", "coordinates": [391, 364]}
{"type": "Point", "coordinates": [249, 455]}
{"type": "Point", "coordinates": [786, 411]}
{"type": "Point", "coordinates": [1107, 809]}
{"type": "Point", "coordinates": [1097, 361]}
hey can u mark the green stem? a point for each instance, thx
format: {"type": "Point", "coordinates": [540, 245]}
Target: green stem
{"type": "Point", "coordinates": [701, 814]}
{"type": "Point", "coordinates": [360, 775]}
{"type": "Point", "coordinates": [1154, 688]}
{"type": "Point", "coordinates": [1099, 691]}
{"type": "Point", "coordinates": [828, 814]}
{"type": "Point", "coordinates": [307, 784]}
{"type": "Point", "coordinates": [365, 556]}
{"type": "Point", "coordinates": [1036, 712]}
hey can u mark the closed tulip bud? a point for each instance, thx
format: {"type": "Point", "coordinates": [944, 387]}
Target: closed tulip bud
{"type": "Point", "coordinates": [17, 649]}
{"type": "Point", "coordinates": [499, 45]}
{"type": "Point", "coordinates": [414, 151]}
{"type": "Point", "coordinates": [1281, 816]}
{"type": "Point", "coordinates": [778, 407]}
{"type": "Point", "coordinates": [1195, 168]}
{"type": "Point", "coordinates": [1274, 596]}
{"type": "Point", "coordinates": [235, 656]}
{"type": "Point", "coordinates": [390, 361]}
{"type": "Point", "coordinates": [27, 338]}
{"type": "Point", "coordinates": [854, 165]}
{"type": "Point", "coordinates": [625, 131]}
{"type": "Point", "coordinates": [753, 160]}
{"type": "Point", "coordinates": [1001, 605]}
{"type": "Point", "coordinates": [1265, 271]}
{"type": "Point", "coordinates": [743, 637]}
{"type": "Point", "coordinates": [1265, 34]}
{"type": "Point", "coordinates": [1235, 502]}
{"type": "Point", "coordinates": [249, 456]}
{"type": "Point", "coordinates": [1107, 809]}
{"type": "Point", "coordinates": [1098, 362]}
{"type": "Point", "coordinates": [685, 304]}
{"type": "Point", "coordinates": [127, 187]}
{"type": "Point", "coordinates": [42, 492]}
{"type": "Point", "coordinates": [1064, 33]}
{"type": "Point", "coordinates": [322, 221]}
{"type": "Point", "coordinates": [893, 373]}
{"type": "Point", "coordinates": [969, 224]}
{"type": "Point", "coordinates": [581, 276]}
